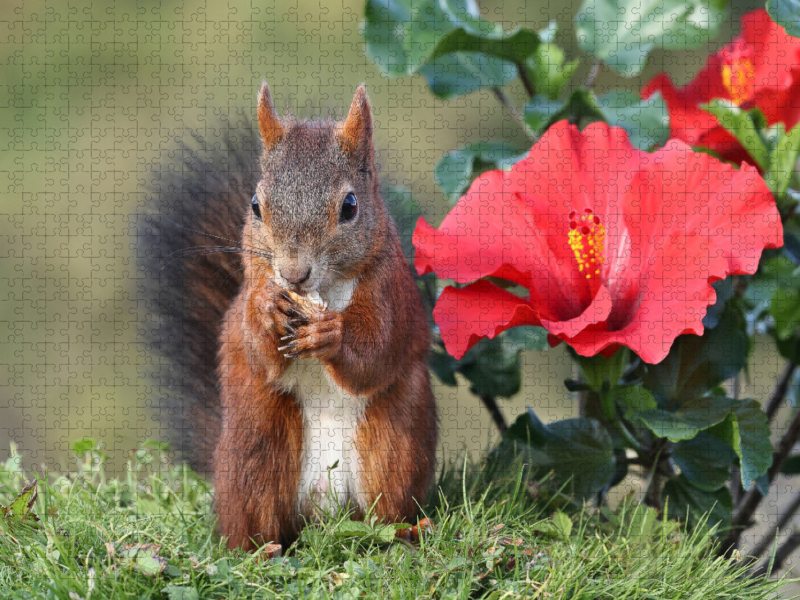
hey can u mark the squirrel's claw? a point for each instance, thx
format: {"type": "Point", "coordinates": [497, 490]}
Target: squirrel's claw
{"type": "Point", "coordinates": [319, 339]}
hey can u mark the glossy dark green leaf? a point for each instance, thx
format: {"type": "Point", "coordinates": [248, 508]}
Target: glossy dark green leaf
{"type": "Point", "coordinates": [633, 400]}
{"type": "Point", "coordinates": [578, 450]}
{"type": "Point", "coordinates": [724, 291]}
{"type": "Point", "coordinates": [460, 74]}
{"type": "Point", "coordinates": [705, 461]}
{"type": "Point", "coordinates": [743, 125]}
{"type": "Point", "coordinates": [783, 159]}
{"type": "Point", "coordinates": [696, 364]}
{"type": "Point", "coordinates": [541, 111]}
{"type": "Point", "coordinates": [405, 211]}
{"type": "Point", "coordinates": [684, 500]}
{"type": "Point", "coordinates": [646, 121]}
{"type": "Point", "coordinates": [622, 33]}
{"type": "Point", "coordinates": [692, 417]}
{"type": "Point", "coordinates": [791, 466]}
{"type": "Point", "coordinates": [475, 35]}
{"type": "Point", "coordinates": [492, 366]}
{"type": "Point", "coordinates": [746, 430]}
{"type": "Point", "coordinates": [457, 169]}
{"type": "Point", "coordinates": [443, 366]}
{"type": "Point", "coordinates": [785, 13]}
{"type": "Point", "coordinates": [581, 109]}
{"type": "Point", "coordinates": [447, 42]}
{"type": "Point", "coordinates": [785, 309]}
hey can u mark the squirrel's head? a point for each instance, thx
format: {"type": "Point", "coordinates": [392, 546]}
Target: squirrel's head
{"type": "Point", "coordinates": [317, 212]}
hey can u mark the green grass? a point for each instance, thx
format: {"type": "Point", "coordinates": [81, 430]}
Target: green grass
{"type": "Point", "coordinates": [150, 535]}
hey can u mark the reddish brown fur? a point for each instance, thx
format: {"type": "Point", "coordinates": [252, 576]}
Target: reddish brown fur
{"type": "Point", "coordinates": [376, 348]}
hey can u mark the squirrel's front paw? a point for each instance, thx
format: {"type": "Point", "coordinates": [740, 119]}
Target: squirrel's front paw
{"type": "Point", "coordinates": [317, 337]}
{"type": "Point", "coordinates": [276, 311]}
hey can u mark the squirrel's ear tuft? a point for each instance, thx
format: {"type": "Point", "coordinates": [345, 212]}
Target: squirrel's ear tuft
{"type": "Point", "coordinates": [268, 123]}
{"type": "Point", "coordinates": [355, 134]}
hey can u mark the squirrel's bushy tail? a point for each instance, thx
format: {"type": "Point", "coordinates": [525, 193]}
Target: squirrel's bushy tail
{"type": "Point", "coordinates": [187, 248]}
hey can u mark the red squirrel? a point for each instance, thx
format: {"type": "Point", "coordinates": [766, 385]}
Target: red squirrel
{"type": "Point", "coordinates": [291, 333]}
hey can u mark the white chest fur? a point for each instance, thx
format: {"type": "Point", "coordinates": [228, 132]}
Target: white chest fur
{"type": "Point", "coordinates": [330, 420]}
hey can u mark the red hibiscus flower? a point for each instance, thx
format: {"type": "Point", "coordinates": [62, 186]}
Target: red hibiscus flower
{"type": "Point", "coordinates": [759, 68]}
{"type": "Point", "coordinates": [614, 246]}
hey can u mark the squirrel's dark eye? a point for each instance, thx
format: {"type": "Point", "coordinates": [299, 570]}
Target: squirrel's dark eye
{"type": "Point", "coordinates": [256, 208]}
{"type": "Point", "coordinates": [349, 208]}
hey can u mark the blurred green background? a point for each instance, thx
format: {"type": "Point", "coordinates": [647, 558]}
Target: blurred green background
{"type": "Point", "coordinates": [93, 92]}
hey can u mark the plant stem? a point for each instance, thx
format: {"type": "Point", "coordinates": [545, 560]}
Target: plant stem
{"type": "Point", "coordinates": [769, 538]}
{"type": "Point", "coordinates": [530, 90]}
{"type": "Point", "coordinates": [512, 110]}
{"type": "Point", "coordinates": [752, 498]}
{"type": "Point", "coordinates": [490, 402]}
{"type": "Point", "coordinates": [779, 394]}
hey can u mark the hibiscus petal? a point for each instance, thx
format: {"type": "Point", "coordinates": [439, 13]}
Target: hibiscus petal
{"type": "Point", "coordinates": [596, 312]}
{"type": "Point", "coordinates": [693, 220]}
{"type": "Point", "coordinates": [465, 315]}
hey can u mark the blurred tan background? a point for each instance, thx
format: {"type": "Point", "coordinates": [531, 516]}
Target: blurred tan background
{"type": "Point", "coordinates": [92, 92]}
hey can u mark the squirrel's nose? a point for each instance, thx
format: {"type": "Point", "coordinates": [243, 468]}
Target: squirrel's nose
{"type": "Point", "coordinates": [296, 275]}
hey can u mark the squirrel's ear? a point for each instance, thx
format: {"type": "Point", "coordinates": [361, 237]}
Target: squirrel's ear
{"type": "Point", "coordinates": [268, 123]}
{"type": "Point", "coordinates": [355, 134]}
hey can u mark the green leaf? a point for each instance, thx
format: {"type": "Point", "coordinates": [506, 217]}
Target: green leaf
{"type": "Point", "coordinates": [622, 33]}
{"type": "Point", "coordinates": [492, 365]}
{"type": "Point", "coordinates": [785, 309]}
{"type": "Point", "coordinates": [696, 364]}
{"type": "Point", "coordinates": [548, 70]}
{"type": "Point", "coordinates": [685, 499]}
{"type": "Point", "coordinates": [359, 529]}
{"type": "Point", "coordinates": [463, 73]}
{"type": "Point", "coordinates": [724, 291]}
{"type": "Point", "coordinates": [448, 43]}
{"type": "Point", "coordinates": [785, 13]}
{"type": "Point", "coordinates": [563, 525]}
{"type": "Point", "coordinates": [577, 450]}
{"type": "Point", "coordinates": [384, 22]}
{"type": "Point", "coordinates": [705, 461]}
{"type": "Point", "coordinates": [791, 466]}
{"type": "Point", "coordinates": [405, 211]}
{"type": "Point", "coordinates": [540, 111]}
{"type": "Point", "coordinates": [743, 125]}
{"type": "Point", "coordinates": [783, 159]}
{"type": "Point", "coordinates": [691, 418]}
{"type": "Point", "coordinates": [350, 528]}
{"type": "Point", "coordinates": [746, 430]}
{"type": "Point", "coordinates": [474, 35]}
{"type": "Point", "coordinates": [581, 108]}
{"type": "Point", "coordinates": [646, 121]}
{"type": "Point", "coordinates": [634, 399]}
{"type": "Point", "coordinates": [458, 168]}
{"type": "Point", "coordinates": [443, 366]}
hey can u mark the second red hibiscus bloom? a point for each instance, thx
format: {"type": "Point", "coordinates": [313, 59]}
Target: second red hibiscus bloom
{"type": "Point", "coordinates": [759, 69]}
{"type": "Point", "coordinates": [613, 245]}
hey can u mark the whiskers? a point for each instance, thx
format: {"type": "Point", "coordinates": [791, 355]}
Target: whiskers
{"type": "Point", "coordinates": [235, 247]}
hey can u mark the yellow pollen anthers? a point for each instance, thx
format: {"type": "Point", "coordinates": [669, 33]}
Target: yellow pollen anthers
{"type": "Point", "coordinates": [738, 76]}
{"type": "Point", "coordinates": [586, 238]}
